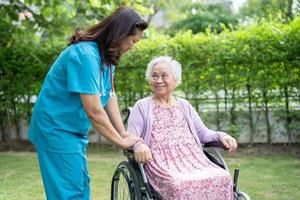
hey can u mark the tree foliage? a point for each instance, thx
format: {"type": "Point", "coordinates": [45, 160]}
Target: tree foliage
{"type": "Point", "coordinates": [32, 34]}
{"type": "Point", "coordinates": [200, 17]}
{"type": "Point", "coordinates": [255, 67]}
{"type": "Point", "coordinates": [257, 64]}
{"type": "Point", "coordinates": [270, 9]}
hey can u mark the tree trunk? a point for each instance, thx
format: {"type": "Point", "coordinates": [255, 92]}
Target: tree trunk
{"type": "Point", "coordinates": [3, 125]}
{"type": "Point", "coordinates": [225, 95]}
{"type": "Point", "coordinates": [289, 11]}
{"type": "Point", "coordinates": [28, 110]}
{"type": "Point", "coordinates": [152, 15]}
{"type": "Point", "coordinates": [218, 112]}
{"type": "Point", "coordinates": [197, 99]}
{"type": "Point", "coordinates": [268, 124]}
{"type": "Point", "coordinates": [18, 129]}
{"type": "Point", "coordinates": [16, 120]}
{"type": "Point", "coordinates": [232, 109]}
{"type": "Point", "coordinates": [250, 115]}
{"type": "Point", "coordinates": [288, 117]}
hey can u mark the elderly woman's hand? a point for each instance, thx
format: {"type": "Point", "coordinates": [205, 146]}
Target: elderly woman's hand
{"type": "Point", "coordinates": [229, 142]}
{"type": "Point", "coordinates": [142, 153]}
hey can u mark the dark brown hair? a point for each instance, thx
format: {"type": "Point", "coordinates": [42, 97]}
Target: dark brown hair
{"type": "Point", "coordinates": [110, 32]}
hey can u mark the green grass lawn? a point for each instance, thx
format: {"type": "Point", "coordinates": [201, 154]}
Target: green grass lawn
{"type": "Point", "coordinates": [262, 177]}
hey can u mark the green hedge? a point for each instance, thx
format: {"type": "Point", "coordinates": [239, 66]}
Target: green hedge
{"type": "Point", "coordinates": [254, 67]}
{"type": "Point", "coordinates": [254, 53]}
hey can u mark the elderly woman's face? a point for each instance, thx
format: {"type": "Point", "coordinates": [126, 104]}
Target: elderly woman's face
{"type": "Point", "coordinates": [162, 80]}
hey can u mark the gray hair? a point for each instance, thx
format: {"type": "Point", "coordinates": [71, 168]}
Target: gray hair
{"type": "Point", "coordinates": [175, 67]}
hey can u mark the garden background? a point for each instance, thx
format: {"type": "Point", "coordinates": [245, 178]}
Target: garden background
{"type": "Point", "coordinates": [240, 59]}
{"type": "Point", "coordinates": [241, 75]}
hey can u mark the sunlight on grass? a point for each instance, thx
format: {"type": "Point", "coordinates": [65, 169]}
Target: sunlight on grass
{"type": "Point", "coordinates": [268, 177]}
{"type": "Point", "coordinates": [262, 177]}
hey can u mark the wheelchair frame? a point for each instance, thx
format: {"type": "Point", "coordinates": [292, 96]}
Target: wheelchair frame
{"type": "Point", "coordinates": [130, 177]}
{"type": "Point", "coordinates": [139, 188]}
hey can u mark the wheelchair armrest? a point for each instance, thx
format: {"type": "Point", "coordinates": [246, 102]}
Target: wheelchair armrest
{"type": "Point", "coordinates": [217, 144]}
{"type": "Point", "coordinates": [128, 152]}
{"type": "Point", "coordinates": [126, 113]}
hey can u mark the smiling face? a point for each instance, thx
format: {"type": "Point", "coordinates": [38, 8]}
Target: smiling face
{"type": "Point", "coordinates": [129, 42]}
{"type": "Point", "coordinates": [162, 80]}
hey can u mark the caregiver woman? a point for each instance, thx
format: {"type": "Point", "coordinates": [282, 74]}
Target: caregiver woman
{"type": "Point", "coordinates": [79, 91]}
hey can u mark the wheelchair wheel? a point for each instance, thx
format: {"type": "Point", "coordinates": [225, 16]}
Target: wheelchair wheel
{"type": "Point", "coordinates": [125, 185]}
{"type": "Point", "coordinates": [242, 196]}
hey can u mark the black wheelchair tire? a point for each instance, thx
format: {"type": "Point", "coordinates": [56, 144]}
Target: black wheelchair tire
{"type": "Point", "coordinates": [242, 196]}
{"type": "Point", "coordinates": [125, 171]}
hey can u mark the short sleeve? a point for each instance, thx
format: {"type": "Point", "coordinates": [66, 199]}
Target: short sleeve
{"type": "Point", "coordinates": [83, 74]}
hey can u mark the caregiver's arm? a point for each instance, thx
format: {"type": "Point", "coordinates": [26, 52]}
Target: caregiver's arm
{"type": "Point", "coordinates": [113, 112]}
{"type": "Point", "coordinates": [101, 122]}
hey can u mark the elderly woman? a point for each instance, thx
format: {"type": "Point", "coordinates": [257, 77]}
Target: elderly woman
{"type": "Point", "coordinates": [173, 132]}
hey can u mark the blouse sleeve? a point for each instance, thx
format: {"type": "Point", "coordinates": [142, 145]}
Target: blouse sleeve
{"type": "Point", "coordinates": [205, 135]}
{"type": "Point", "coordinates": [136, 123]}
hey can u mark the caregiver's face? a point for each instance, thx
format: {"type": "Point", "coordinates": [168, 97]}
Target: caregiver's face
{"type": "Point", "coordinates": [129, 42]}
{"type": "Point", "coordinates": [162, 80]}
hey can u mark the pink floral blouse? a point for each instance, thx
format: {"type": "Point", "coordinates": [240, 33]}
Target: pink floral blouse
{"type": "Point", "coordinates": [179, 169]}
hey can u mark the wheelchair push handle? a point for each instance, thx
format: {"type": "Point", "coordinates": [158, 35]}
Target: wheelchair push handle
{"type": "Point", "coordinates": [126, 113]}
{"type": "Point", "coordinates": [236, 176]}
{"type": "Point", "coordinates": [235, 180]}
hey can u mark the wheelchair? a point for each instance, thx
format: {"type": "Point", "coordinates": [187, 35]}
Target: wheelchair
{"type": "Point", "coordinates": [129, 181]}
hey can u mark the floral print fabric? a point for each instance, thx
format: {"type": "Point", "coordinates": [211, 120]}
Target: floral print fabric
{"type": "Point", "coordinates": [179, 169]}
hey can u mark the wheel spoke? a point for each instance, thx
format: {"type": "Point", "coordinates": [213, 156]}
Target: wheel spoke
{"type": "Point", "coordinates": [125, 184]}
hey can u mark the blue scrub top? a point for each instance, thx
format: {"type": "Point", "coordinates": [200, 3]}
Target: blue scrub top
{"type": "Point", "coordinates": [59, 122]}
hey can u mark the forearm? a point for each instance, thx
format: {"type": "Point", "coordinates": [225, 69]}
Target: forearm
{"type": "Point", "coordinates": [101, 123]}
{"type": "Point", "coordinates": [113, 112]}
{"type": "Point", "coordinates": [99, 118]}
{"type": "Point", "coordinates": [205, 134]}
{"type": "Point", "coordinates": [208, 135]}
